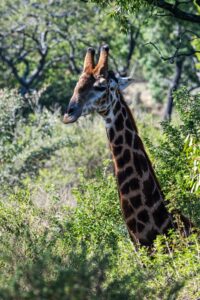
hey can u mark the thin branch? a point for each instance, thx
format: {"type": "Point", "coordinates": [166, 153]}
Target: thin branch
{"type": "Point", "coordinates": [10, 63]}
{"type": "Point", "coordinates": [27, 69]}
{"type": "Point", "coordinates": [193, 88]}
{"type": "Point", "coordinates": [39, 69]}
{"type": "Point", "coordinates": [73, 64]}
{"type": "Point", "coordinates": [175, 55]}
{"type": "Point", "coordinates": [162, 15]}
{"type": "Point", "coordinates": [190, 31]}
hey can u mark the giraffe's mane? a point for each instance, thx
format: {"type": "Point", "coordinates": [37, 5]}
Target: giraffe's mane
{"type": "Point", "coordinates": [130, 115]}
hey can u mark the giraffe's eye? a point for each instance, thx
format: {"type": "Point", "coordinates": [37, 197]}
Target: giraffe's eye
{"type": "Point", "coordinates": [99, 88]}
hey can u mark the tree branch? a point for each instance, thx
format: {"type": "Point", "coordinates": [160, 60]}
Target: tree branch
{"type": "Point", "coordinates": [175, 11]}
{"type": "Point", "coordinates": [175, 55]}
{"type": "Point", "coordinates": [10, 63]}
{"type": "Point", "coordinates": [133, 36]}
{"type": "Point", "coordinates": [73, 64]}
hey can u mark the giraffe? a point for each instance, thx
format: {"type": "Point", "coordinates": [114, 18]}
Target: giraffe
{"type": "Point", "coordinates": [141, 199]}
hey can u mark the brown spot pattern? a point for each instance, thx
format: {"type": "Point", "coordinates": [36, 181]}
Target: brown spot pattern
{"type": "Point", "coordinates": [127, 209]}
{"type": "Point", "coordinates": [122, 175]}
{"type": "Point", "coordinates": [126, 156]}
{"type": "Point", "coordinates": [124, 111]}
{"type": "Point", "coordinates": [140, 227]}
{"type": "Point", "coordinates": [128, 137]}
{"type": "Point", "coordinates": [132, 225]}
{"type": "Point", "coordinates": [151, 192]}
{"type": "Point", "coordinates": [143, 163]}
{"type": "Point", "coordinates": [119, 122]}
{"type": "Point", "coordinates": [136, 158]}
{"type": "Point", "coordinates": [160, 215]}
{"type": "Point", "coordinates": [137, 142]}
{"type": "Point", "coordinates": [134, 184]}
{"type": "Point", "coordinates": [119, 140]}
{"type": "Point", "coordinates": [128, 183]}
{"type": "Point", "coordinates": [111, 134]}
{"type": "Point", "coordinates": [151, 235]}
{"type": "Point", "coordinates": [117, 150]}
{"type": "Point", "coordinates": [129, 125]}
{"type": "Point", "coordinates": [136, 201]}
{"type": "Point", "coordinates": [117, 107]}
{"type": "Point", "coordinates": [125, 188]}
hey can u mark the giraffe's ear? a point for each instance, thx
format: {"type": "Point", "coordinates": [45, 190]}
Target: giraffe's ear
{"type": "Point", "coordinates": [123, 82]}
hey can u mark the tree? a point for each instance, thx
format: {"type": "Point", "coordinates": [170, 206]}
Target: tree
{"type": "Point", "coordinates": [43, 43]}
{"type": "Point", "coordinates": [182, 10]}
{"type": "Point", "coordinates": [170, 62]}
{"type": "Point", "coordinates": [167, 54]}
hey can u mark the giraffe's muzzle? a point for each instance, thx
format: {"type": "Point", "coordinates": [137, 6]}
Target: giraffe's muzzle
{"type": "Point", "coordinates": [69, 119]}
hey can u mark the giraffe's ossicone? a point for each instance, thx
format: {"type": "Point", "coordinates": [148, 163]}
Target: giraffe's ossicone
{"type": "Point", "coordinates": [141, 198]}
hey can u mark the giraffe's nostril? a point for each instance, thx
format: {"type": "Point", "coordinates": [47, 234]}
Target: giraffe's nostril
{"type": "Point", "coordinates": [74, 111]}
{"type": "Point", "coordinates": [71, 110]}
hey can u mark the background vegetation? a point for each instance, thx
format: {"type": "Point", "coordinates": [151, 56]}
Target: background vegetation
{"type": "Point", "coordinates": [62, 235]}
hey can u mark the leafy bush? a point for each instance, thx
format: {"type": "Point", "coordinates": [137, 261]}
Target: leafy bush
{"type": "Point", "coordinates": [177, 156]}
{"type": "Point", "coordinates": [38, 142]}
{"type": "Point", "coordinates": [26, 143]}
{"type": "Point", "coordinates": [85, 253]}
{"type": "Point", "coordinates": [97, 217]}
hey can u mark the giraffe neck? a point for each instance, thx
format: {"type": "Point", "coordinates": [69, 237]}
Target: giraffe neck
{"type": "Point", "coordinates": [140, 194]}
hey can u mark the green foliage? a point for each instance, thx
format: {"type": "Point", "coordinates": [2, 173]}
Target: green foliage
{"type": "Point", "coordinates": [36, 265]}
{"type": "Point", "coordinates": [66, 252]}
{"type": "Point", "coordinates": [29, 142]}
{"type": "Point", "coordinates": [76, 246]}
{"type": "Point", "coordinates": [96, 203]}
{"type": "Point", "coordinates": [177, 156]}
{"type": "Point", "coordinates": [31, 145]}
{"type": "Point", "coordinates": [163, 39]}
{"type": "Point", "coordinates": [10, 103]}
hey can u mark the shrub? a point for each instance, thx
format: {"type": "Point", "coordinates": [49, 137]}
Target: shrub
{"type": "Point", "coordinates": [85, 253]}
{"type": "Point", "coordinates": [26, 143]}
{"type": "Point", "coordinates": [177, 156]}
{"type": "Point", "coordinates": [38, 142]}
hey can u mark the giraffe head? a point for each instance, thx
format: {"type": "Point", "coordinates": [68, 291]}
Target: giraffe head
{"type": "Point", "coordinates": [92, 89]}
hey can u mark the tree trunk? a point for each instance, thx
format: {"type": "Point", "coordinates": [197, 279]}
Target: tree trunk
{"type": "Point", "coordinates": [133, 35]}
{"type": "Point", "coordinates": [174, 85]}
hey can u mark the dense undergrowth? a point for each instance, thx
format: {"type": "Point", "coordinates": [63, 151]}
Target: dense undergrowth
{"type": "Point", "coordinates": [62, 233]}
